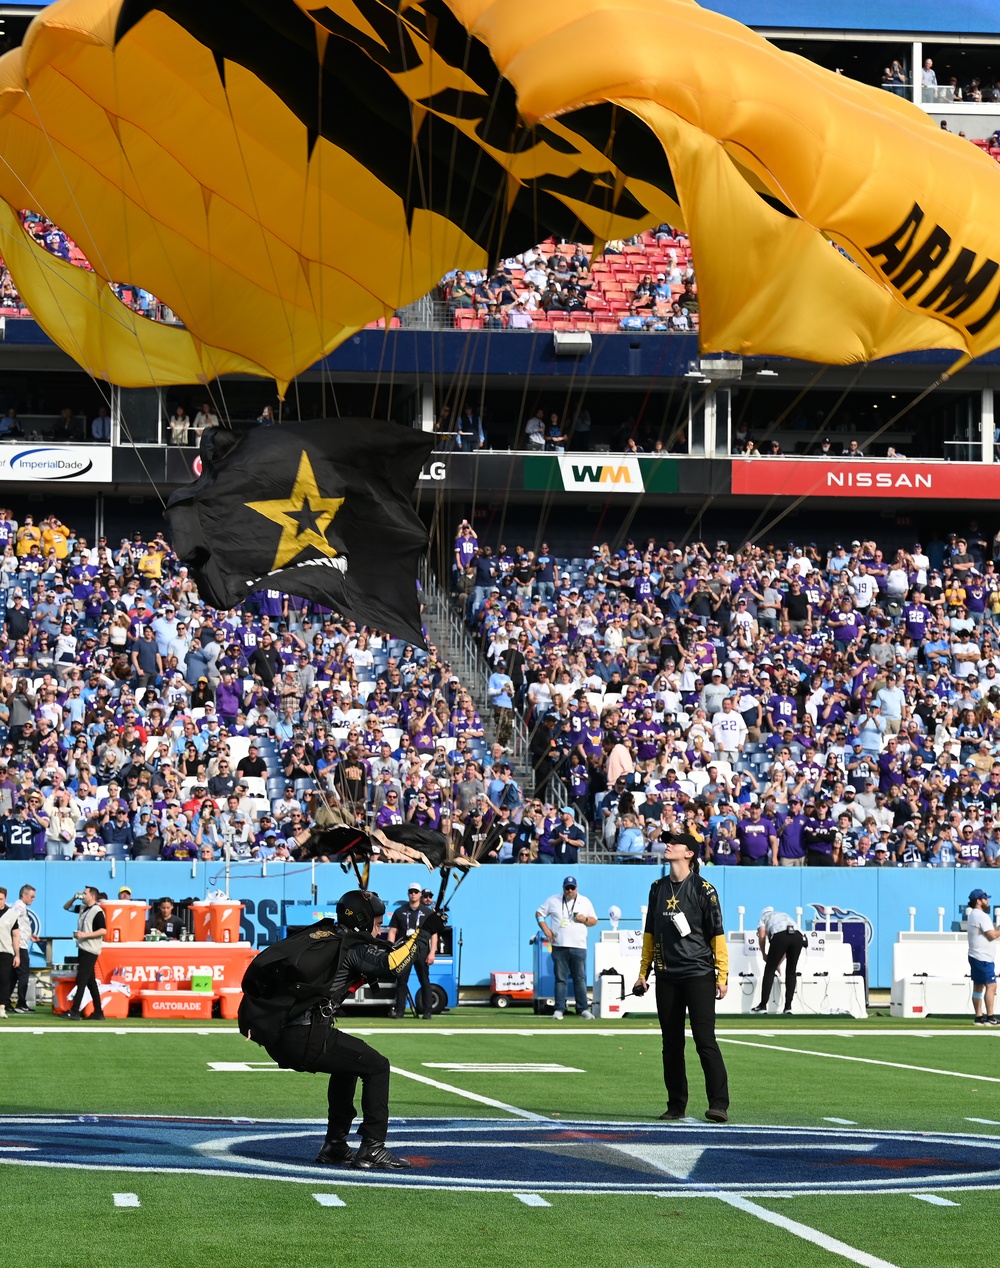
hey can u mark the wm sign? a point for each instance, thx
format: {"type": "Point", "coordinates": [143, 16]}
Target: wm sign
{"type": "Point", "coordinates": [614, 475]}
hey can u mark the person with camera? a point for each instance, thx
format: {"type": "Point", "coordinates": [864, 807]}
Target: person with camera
{"type": "Point", "coordinates": [292, 992]}
{"type": "Point", "coordinates": [685, 941]}
{"type": "Point", "coordinates": [406, 921]}
{"type": "Point", "coordinates": [780, 939]}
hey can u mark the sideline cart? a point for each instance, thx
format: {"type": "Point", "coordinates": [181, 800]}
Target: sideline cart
{"type": "Point", "coordinates": [511, 987]}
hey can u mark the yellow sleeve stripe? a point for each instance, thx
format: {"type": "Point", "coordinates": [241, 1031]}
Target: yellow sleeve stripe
{"type": "Point", "coordinates": [721, 953]}
{"type": "Point", "coordinates": [647, 955]}
{"type": "Point", "coordinates": [398, 956]}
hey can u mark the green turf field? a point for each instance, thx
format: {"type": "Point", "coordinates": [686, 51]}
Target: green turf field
{"type": "Point", "coordinates": [564, 1165]}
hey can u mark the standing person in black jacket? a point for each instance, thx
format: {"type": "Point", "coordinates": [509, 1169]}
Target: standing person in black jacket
{"type": "Point", "coordinates": [401, 926]}
{"type": "Point", "coordinates": [685, 940]}
{"type": "Point", "coordinates": [291, 994]}
{"type": "Point", "coordinates": [266, 661]}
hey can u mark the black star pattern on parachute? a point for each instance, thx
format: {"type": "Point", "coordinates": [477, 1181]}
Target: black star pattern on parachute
{"type": "Point", "coordinates": [303, 517]}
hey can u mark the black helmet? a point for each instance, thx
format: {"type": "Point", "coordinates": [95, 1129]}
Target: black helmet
{"type": "Point", "coordinates": [358, 908]}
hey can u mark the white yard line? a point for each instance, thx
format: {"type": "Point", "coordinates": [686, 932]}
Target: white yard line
{"type": "Point", "coordinates": [126, 1199]}
{"type": "Point", "coordinates": [987, 1122]}
{"type": "Point", "coordinates": [329, 1199]}
{"type": "Point", "coordinates": [839, 1056]}
{"type": "Point", "coordinates": [531, 1199]}
{"type": "Point", "coordinates": [808, 1234]}
{"type": "Point", "coordinates": [933, 1199]}
{"type": "Point", "coordinates": [841, 1122]}
{"type": "Point", "coordinates": [556, 1028]}
{"type": "Point", "coordinates": [497, 1067]}
{"type": "Point", "coordinates": [470, 1096]}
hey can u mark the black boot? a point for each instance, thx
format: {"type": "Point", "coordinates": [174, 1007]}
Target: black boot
{"type": "Point", "coordinates": [373, 1156]}
{"type": "Point", "coordinates": [336, 1152]}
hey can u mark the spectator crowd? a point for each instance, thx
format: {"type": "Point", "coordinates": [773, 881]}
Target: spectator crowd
{"type": "Point", "coordinates": [644, 283]}
{"type": "Point", "coordinates": [136, 722]}
{"type": "Point", "coordinates": [783, 704]}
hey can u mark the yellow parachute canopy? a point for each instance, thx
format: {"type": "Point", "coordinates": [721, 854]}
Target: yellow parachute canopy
{"type": "Point", "coordinates": [281, 172]}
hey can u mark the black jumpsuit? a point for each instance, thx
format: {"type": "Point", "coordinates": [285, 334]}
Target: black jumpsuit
{"type": "Point", "coordinates": [317, 1046]}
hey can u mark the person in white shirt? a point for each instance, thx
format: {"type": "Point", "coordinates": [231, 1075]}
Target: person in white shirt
{"type": "Point", "coordinates": [965, 656]}
{"type": "Point", "coordinates": [10, 954]}
{"type": "Point", "coordinates": [780, 939]}
{"type": "Point", "coordinates": [729, 730]}
{"type": "Point", "coordinates": [21, 971]}
{"type": "Point", "coordinates": [865, 588]}
{"type": "Point", "coordinates": [982, 935]}
{"type": "Point", "coordinates": [920, 565]}
{"type": "Point", "coordinates": [564, 920]}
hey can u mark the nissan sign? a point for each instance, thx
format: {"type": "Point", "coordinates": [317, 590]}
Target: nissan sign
{"type": "Point", "coordinates": [900, 480]}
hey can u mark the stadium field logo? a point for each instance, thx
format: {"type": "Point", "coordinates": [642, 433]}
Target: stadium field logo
{"type": "Point", "coordinates": [491, 1156]}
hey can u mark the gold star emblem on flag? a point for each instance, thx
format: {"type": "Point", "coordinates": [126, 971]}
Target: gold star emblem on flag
{"type": "Point", "coordinates": [303, 517]}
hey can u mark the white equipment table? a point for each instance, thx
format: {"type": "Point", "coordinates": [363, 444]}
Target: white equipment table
{"type": "Point", "coordinates": [616, 966]}
{"type": "Point", "coordinates": [827, 982]}
{"type": "Point", "coordinates": [930, 975]}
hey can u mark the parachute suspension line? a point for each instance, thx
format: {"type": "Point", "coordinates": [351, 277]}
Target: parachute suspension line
{"type": "Point", "coordinates": [326, 374]}
{"type": "Point", "coordinates": [263, 237]}
{"type": "Point", "coordinates": [298, 399]}
{"type": "Point", "coordinates": [943, 378]}
{"type": "Point", "coordinates": [802, 394]}
{"type": "Point", "coordinates": [142, 461]}
{"type": "Point", "coordinates": [637, 500]}
{"type": "Point", "coordinates": [125, 165]}
{"type": "Point", "coordinates": [51, 269]}
{"type": "Point", "coordinates": [548, 499]}
{"type": "Point", "coordinates": [773, 500]}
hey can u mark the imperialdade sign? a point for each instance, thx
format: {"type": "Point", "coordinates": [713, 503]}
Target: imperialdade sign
{"type": "Point", "coordinates": [72, 464]}
{"type": "Point", "coordinates": [852, 478]}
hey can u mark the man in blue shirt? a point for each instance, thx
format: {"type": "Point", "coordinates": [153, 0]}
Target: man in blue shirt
{"type": "Point", "coordinates": [500, 691]}
{"type": "Point", "coordinates": [891, 701]}
{"type": "Point", "coordinates": [568, 838]}
{"type": "Point", "coordinates": [546, 574]}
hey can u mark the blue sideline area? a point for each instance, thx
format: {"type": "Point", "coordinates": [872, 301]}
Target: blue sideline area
{"type": "Point", "coordinates": [494, 909]}
{"type": "Point", "coordinates": [963, 17]}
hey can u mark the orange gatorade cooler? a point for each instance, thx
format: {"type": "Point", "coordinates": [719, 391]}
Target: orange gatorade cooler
{"type": "Point", "coordinates": [216, 922]}
{"type": "Point", "coordinates": [114, 996]}
{"type": "Point", "coordinates": [126, 920]}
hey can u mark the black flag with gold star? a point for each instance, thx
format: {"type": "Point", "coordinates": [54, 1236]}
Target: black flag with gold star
{"type": "Point", "coordinates": [318, 509]}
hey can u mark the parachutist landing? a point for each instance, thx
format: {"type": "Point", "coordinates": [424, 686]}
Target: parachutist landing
{"type": "Point", "coordinates": [291, 994]}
